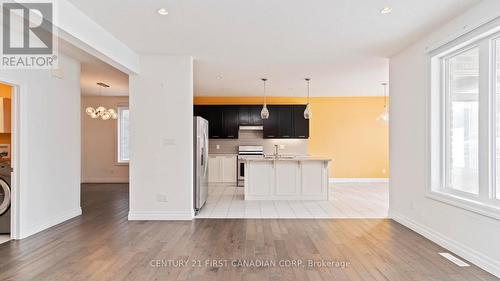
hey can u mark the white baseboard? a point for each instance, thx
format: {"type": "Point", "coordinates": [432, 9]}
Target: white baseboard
{"type": "Point", "coordinates": [358, 180]}
{"type": "Point", "coordinates": [471, 255]}
{"type": "Point", "coordinates": [62, 217]}
{"type": "Point", "coordinates": [160, 216]}
{"type": "Point", "coordinates": [105, 180]}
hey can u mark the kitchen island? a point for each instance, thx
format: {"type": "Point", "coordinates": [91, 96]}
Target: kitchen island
{"type": "Point", "coordinates": [286, 178]}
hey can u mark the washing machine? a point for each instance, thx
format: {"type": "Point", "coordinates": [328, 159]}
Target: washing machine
{"type": "Point", "coordinates": [5, 197]}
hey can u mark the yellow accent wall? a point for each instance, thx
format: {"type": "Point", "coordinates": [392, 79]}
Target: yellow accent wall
{"type": "Point", "coordinates": [343, 128]}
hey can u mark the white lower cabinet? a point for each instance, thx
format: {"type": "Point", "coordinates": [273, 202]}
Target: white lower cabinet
{"type": "Point", "coordinates": [213, 169]}
{"type": "Point", "coordinates": [222, 168]}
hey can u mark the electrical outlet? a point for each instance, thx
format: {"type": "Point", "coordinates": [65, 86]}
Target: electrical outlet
{"type": "Point", "coordinates": [217, 146]}
{"type": "Point", "coordinates": [161, 198]}
{"type": "Point", "coordinates": [384, 171]}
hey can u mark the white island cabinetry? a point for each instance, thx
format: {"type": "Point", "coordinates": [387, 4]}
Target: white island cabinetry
{"type": "Point", "coordinates": [298, 178]}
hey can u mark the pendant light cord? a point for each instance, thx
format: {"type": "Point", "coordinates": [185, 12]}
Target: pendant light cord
{"type": "Point", "coordinates": [265, 94]}
{"type": "Point", "coordinates": [385, 94]}
{"type": "Point", "coordinates": [308, 80]}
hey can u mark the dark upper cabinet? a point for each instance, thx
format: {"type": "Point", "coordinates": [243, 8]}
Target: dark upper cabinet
{"type": "Point", "coordinates": [231, 122]}
{"type": "Point", "coordinates": [222, 120]}
{"type": "Point", "coordinates": [249, 115]}
{"type": "Point", "coordinates": [285, 115]}
{"type": "Point", "coordinates": [197, 110]}
{"type": "Point", "coordinates": [215, 119]}
{"type": "Point", "coordinates": [255, 118]}
{"type": "Point", "coordinates": [271, 124]}
{"type": "Point", "coordinates": [244, 115]}
{"type": "Point", "coordinates": [300, 124]}
{"type": "Point", "coordinates": [285, 121]}
{"type": "Point", "coordinates": [200, 110]}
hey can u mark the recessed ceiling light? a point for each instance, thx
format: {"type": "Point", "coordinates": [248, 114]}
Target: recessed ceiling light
{"type": "Point", "coordinates": [386, 10]}
{"type": "Point", "coordinates": [163, 12]}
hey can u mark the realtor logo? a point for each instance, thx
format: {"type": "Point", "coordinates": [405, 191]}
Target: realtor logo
{"type": "Point", "coordinates": [28, 39]}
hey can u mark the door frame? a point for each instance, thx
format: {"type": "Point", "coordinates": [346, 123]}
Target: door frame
{"type": "Point", "coordinates": [15, 206]}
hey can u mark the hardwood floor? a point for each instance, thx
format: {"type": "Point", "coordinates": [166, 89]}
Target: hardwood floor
{"type": "Point", "coordinates": [103, 245]}
{"type": "Point", "coordinates": [4, 238]}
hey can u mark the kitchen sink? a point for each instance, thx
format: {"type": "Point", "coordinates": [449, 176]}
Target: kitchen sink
{"type": "Point", "coordinates": [280, 156]}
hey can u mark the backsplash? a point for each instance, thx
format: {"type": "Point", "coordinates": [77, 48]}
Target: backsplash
{"type": "Point", "coordinates": [292, 146]}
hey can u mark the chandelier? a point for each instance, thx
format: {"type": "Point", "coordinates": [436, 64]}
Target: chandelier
{"type": "Point", "coordinates": [101, 112]}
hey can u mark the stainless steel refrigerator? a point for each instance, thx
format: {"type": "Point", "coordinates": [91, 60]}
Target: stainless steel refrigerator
{"type": "Point", "coordinates": [200, 163]}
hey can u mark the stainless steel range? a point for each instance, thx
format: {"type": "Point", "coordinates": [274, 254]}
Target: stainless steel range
{"type": "Point", "coordinates": [245, 151]}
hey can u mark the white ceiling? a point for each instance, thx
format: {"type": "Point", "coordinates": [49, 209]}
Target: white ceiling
{"type": "Point", "coordinates": [94, 72]}
{"type": "Point", "coordinates": [343, 45]}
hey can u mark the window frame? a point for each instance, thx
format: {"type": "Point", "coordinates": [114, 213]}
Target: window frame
{"type": "Point", "coordinates": [495, 43]}
{"type": "Point", "coordinates": [485, 38]}
{"type": "Point", "coordinates": [118, 160]}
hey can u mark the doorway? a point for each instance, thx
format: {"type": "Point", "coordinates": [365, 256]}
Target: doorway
{"type": "Point", "coordinates": [104, 139]}
{"type": "Point", "coordinates": [7, 161]}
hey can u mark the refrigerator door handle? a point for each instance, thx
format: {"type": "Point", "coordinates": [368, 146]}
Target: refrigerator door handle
{"type": "Point", "coordinates": [204, 154]}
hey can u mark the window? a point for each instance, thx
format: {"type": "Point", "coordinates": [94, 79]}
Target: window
{"type": "Point", "coordinates": [462, 121]}
{"type": "Point", "coordinates": [464, 139]}
{"type": "Point", "coordinates": [123, 135]}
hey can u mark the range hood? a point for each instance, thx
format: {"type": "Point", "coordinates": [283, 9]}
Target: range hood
{"type": "Point", "coordinates": [251, 128]}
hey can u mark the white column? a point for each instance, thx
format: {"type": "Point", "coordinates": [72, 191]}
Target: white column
{"type": "Point", "coordinates": [161, 139]}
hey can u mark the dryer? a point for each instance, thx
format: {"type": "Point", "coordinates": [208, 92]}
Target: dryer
{"type": "Point", "coordinates": [5, 197]}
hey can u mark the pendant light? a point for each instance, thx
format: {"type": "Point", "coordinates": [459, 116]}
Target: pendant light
{"type": "Point", "coordinates": [307, 111]}
{"type": "Point", "coordinates": [384, 116]}
{"type": "Point", "coordinates": [101, 112]}
{"type": "Point", "coordinates": [264, 113]}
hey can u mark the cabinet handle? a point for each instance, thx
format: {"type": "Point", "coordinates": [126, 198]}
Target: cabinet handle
{"type": "Point", "coordinates": [270, 136]}
{"type": "Point", "coordinates": [215, 136]}
{"type": "Point", "coordinates": [302, 136]}
{"type": "Point", "coordinates": [230, 136]}
{"type": "Point", "coordinates": [286, 136]}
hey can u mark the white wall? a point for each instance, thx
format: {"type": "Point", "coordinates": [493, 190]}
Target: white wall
{"type": "Point", "coordinates": [473, 236]}
{"type": "Point", "coordinates": [99, 144]}
{"type": "Point", "coordinates": [49, 147]}
{"type": "Point", "coordinates": [161, 139]}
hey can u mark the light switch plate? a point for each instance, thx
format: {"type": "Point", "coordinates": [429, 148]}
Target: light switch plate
{"type": "Point", "coordinates": [168, 142]}
{"type": "Point", "coordinates": [58, 73]}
